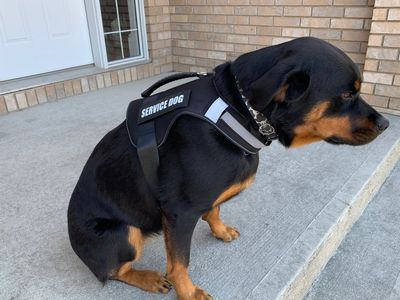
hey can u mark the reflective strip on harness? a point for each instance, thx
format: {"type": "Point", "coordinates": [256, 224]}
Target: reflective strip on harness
{"type": "Point", "coordinates": [241, 130]}
{"type": "Point", "coordinates": [216, 111]}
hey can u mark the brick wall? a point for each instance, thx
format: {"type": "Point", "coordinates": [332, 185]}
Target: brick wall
{"type": "Point", "coordinates": [382, 67]}
{"type": "Point", "coordinates": [197, 35]}
{"type": "Point", "coordinates": [208, 32]}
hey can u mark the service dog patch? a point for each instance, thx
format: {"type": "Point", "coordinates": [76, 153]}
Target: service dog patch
{"type": "Point", "coordinates": [157, 107]}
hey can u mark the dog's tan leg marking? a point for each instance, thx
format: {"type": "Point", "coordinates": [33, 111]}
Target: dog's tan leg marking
{"type": "Point", "coordinates": [178, 274]}
{"type": "Point", "coordinates": [233, 190]}
{"type": "Point", "coordinates": [218, 228]}
{"type": "Point", "coordinates": [146, 280]}
{"type": "Point", "coordinates": [184, 287]}
{"type": "Point", "coordinates": [136, 239]}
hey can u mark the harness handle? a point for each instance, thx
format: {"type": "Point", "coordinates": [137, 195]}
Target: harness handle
{"type": "Point", "coordinates": [173, 77]}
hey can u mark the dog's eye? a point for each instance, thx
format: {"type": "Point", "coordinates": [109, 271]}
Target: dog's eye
{"type": "Point", "coordinates": [347, 95]}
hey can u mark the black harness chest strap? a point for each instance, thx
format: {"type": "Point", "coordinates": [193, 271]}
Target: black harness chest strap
{"type": "Point", "coordinates": [147, 151]}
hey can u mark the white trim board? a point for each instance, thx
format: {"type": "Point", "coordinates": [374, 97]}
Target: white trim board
{"type": "Point", "coordinates": [96, 31]}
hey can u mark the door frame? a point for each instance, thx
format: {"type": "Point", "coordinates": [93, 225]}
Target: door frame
{"type": "Point", "coordinates": [96, 32]}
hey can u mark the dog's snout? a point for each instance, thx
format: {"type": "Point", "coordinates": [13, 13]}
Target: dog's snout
{"type": "Point", "coordinates": [382, 123]}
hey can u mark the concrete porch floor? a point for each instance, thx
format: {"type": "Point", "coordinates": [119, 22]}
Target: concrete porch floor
{"type": "Point", "coordinates": [43, 150]}
{"type": "Point", "coordinates": [367, 263]}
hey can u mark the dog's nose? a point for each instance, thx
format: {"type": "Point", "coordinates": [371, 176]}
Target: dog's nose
{"type": "Point", "coordinates": [382, 123]}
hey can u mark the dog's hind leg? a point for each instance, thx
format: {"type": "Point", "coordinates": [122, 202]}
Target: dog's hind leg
{"type": "Point", "coordinates": [218, 228]}
{"type": "Point", "coordinates": [150, 281]}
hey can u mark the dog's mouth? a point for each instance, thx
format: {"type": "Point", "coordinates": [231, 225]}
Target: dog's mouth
{"type": "Point", "coordinates": [359, 137]}
{"type": "Point", "coordinates": [336, 141]}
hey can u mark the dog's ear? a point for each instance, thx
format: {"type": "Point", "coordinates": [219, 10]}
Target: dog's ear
{"type": "Point", "coordinates": [282, 83]}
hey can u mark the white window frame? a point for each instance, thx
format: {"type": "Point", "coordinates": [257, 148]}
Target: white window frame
{"type": "Point", "coordinates": [93, 11]}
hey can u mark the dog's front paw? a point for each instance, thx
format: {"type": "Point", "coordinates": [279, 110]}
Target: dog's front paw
{"type": "Point", "coordinates": [201, 294]}
{"type": "Point", "coordinates": [196, 294]}
{"type": "Point", "coordinates": [226, 233]}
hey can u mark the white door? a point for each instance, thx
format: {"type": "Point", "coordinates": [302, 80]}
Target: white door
{"type": "Point", "coordinates": [38, 36]}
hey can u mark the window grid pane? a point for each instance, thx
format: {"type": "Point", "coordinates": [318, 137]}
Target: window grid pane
{"type": "Point", "coordinates": [130, 43]}
{"type": "Point", "coordinates": [113, 46]}
{"type": "Point", "coordinates": [127, 14]}
{"type": "Point", "coordinates": [109, 15]}
{"type": "Point", "coordinates": [119, 19]}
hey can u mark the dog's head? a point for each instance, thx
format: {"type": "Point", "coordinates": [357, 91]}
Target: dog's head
{"type": "Point", "coordinates": [310, 90]}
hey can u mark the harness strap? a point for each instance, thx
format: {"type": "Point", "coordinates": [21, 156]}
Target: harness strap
{"type": "Point", "coordinates": [241, 130]}
{"type": "Point", "coordinates": [148, 155]}
{"type": "Point", "coordinates": [171, 78]}
{"type": "Point", "coordinates": [217, 111]}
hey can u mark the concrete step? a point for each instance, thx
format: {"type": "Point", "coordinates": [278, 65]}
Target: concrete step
{"type": "Point", "coordinates": [295, 270]}
{"type": "Point", "coordinates": [367, 263]}
{"type": "Point", "coordinates": [291, 220]}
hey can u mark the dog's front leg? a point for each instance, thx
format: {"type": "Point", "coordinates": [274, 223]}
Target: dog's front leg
{"type": "Point", "coordinates": [178, 230]}
{"type": "Point", "coordinates": [218, 228]}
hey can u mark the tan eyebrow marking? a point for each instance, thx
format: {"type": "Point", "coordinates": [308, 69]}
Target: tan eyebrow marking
{"type": "Point", "coordinates": [357, 85]}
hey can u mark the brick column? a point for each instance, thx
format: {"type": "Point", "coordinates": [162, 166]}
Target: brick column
{"type": "Point", "coordinates": [158, 21]}
{"type": "Point", "coordinates": [381, 86]}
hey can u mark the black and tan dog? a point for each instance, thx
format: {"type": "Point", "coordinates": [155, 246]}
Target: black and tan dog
{"type": "Point", "coordinates": [309, 90]}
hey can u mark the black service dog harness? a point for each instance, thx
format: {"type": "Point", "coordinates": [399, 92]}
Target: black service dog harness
{"type": "Point", "coordinates": [150, 119]}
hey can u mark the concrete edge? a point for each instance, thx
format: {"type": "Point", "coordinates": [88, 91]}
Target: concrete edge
{"type": "Point", "coordinates": [294, 273]}
{"type": "Point", "coordinates": [300, 285]}
{"type": "Point", "coordinates": [387, 111]}
{"type": "Point", "coordinates": [395, 293]}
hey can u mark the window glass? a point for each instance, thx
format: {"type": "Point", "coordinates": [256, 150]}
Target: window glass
{"type": "Point", "coordinates": [113, 46]}
{"type": "Point", "coordinates": [130, 43]}
{"type": "Point", "coordinates": [127, 14]}
{"type": "Point", "coordinates": [121, 30]}
{"type": "Point", "coordinates": [109, 15]}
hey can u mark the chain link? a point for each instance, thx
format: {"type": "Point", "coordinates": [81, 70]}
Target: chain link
{"type": "Point", "coordinates": [264, 126]}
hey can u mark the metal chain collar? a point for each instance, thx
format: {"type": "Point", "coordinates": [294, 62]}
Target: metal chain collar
{"type": "Point", "coordinates": [264, 126]}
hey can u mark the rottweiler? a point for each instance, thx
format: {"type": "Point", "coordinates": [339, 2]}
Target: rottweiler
{"type": "Point", "coordinates": [307, 88]}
